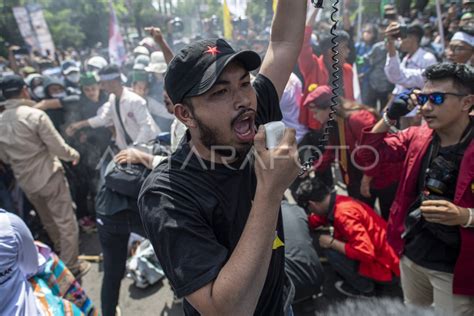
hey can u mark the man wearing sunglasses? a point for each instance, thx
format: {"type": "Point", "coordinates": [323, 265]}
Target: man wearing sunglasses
{"type": "Point", "coordinates": [431, 221]}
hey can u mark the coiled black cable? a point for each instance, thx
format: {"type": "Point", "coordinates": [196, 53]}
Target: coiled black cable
{"type": "Point", "coordinates": [324, 139]}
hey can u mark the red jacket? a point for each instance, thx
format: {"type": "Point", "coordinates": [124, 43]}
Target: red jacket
{"type": "Point", "coordinates": [354, 123]}
{"type": "Point", "coordinates": [314, 71]}
{"type": "Point", "coordinates": [364, 233]}
{"type": "Point", "coordinates": [410, 146]}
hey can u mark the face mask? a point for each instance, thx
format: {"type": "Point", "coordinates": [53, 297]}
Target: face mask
{"type": "Point", "coordinates": [59, 95]}
{"type": "Point", "coordinates": [39, 92]}
{"type": "Point", "coordinates": [74, 78]}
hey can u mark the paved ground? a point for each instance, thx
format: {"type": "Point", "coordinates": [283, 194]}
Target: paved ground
{"type": "Point", "coordinates": [158, 299]}
{"type": "Point", "coordinates": [155, 300]}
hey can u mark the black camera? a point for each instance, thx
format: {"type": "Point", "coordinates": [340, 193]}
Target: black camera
{"type": "Point", "coordinates": [441, 176]}
{"type": "Point", "coordinates": [439, 185]}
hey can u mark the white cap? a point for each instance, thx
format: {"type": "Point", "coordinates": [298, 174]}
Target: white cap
{"type": "Point", "coordinates": [464, 37]}
{"type": "Point", "coordinates": [98, 62]}
{"type": "Point", "coordinates": [141, 50]}
{"type": "Point", "coordinates": [157, 63]}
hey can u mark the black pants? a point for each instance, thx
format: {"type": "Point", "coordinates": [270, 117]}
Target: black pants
{"type": "Point", "coordinates": [348, 270]}
{"type": "Point", "coordinates": [386, 197]}
{"type": "Point", "coordinates": [114, 232]}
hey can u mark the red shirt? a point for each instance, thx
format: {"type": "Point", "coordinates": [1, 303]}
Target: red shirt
{"type": "Point", "coordinates": [365, 235]}
{"type": "Point", "coordinates": [409, 146]}
{"type": "Point", "coordinates": [314, 71]}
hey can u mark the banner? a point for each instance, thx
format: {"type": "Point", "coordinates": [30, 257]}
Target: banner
{"type": "Point", "coordinates": [117, 53]}
{"type": "Point", "coordinates": [238, 8]}
{"type": "Point", "coordinates": [33, 28]}
{"type": "Point", "coordinates": [228, 29]}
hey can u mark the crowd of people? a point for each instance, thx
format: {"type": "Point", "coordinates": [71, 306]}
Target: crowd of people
{"type": "Point", "coordinates": [171, 146]}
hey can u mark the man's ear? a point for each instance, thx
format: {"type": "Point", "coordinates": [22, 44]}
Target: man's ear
{"type": "Point", "coordinates": [183, 114]}
{"type": "Point", "coordinates": [468, 103]}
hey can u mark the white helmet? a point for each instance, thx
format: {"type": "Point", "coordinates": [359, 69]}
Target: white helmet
{"type": "Point", "coordinates": [97, 62]}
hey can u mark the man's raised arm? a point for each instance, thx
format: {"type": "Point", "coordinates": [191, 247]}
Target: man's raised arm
{"type": "Point", "coordinates": [285, 42]}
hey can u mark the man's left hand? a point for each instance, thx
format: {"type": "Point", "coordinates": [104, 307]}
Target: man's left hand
{"type": "Point", "coordinates": [325, 241]}
{"type": "Point", "coordinates": [133, 156]}
{"type": "Point", "coordinates": [156, 33]}
{"type": "Point", "coordinates": [444, 212]}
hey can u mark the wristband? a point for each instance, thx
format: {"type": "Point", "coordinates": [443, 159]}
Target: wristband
{"type": "Point", "coordinates": [389, 124]}
{"type": "Point", "coordinates": [469, 221]}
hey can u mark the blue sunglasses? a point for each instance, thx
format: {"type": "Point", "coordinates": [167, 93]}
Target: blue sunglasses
{"type": "Point", "coordinates": [437, 98]}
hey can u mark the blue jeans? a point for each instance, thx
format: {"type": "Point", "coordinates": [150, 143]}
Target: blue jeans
{"type": "Point", "coordinates": [114, 232]}
{"type": "Point", "coordinates": [290, 312]}
{"type": "Point", "coordinates": [348, 270]}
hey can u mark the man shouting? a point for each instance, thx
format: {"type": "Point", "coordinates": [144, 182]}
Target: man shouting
{"type": "Point", "coordinates": [212, 210]}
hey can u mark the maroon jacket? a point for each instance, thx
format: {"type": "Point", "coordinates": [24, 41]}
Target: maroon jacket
{"type": "Point", "coordinates": [410, 146]}
{"type": "Point", "coordinates": [383, 175]}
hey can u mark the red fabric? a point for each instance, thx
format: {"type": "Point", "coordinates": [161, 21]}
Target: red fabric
{"type": "Point", "coordinates": [409, 146]}
{"type": "Point", "coordinates": [364, 233]}
{"type": "Point", "coordinates": [322, 94]}
{"type": "Point", "coordinates": [354, 123]}
{"type": "Point", "coordinates": [314, 71]}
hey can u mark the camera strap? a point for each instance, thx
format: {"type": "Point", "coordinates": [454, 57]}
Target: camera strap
{"type": "Point", "coordinates": [432, 153]}
{"type": "Point", "coordinates": [128, 139]}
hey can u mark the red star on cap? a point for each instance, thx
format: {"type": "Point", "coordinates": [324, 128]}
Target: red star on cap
{"type": "Point", "coordinates": [212, 50]}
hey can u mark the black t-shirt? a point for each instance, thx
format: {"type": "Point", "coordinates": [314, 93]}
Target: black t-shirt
{"type": "Point", "coordinates": [437, 246]}
{"type": "Point", "coordinates": [194, 213]}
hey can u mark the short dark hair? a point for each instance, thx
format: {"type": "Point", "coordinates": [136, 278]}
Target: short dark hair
{"type": "Point", "coordinates": [311, 189]}
{"type": "Point", "coordinates": [12, 94]}
{"type": "Point", "coordinates": [109, 69]}
{"type": "Point", "coordinates": [12, 86]}
{"type": "Point", "coordinates": [325, 42]}
{"type": "Point", "coordinates": [462, 75]}
{"type": "Point", "coordinates": [417, 30]}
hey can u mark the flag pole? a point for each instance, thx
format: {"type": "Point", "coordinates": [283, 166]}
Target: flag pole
{"type": "Point", "coordinates": [440, 24]}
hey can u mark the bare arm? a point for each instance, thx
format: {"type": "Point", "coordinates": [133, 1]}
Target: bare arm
{"type": "Point", "coordinates": [49, 104]}
{"type": "Point", "coordinates": [12, 59]}
{"type": "Point", "coordinates": [285, 43]}
{"type": "Point", "coordinates": [155, 32]}
{"type": "Point", "coordinates": [237, 288]}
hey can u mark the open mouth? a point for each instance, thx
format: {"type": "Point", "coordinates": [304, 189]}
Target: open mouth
{"type": "Point", "coordinates": [244, 126]}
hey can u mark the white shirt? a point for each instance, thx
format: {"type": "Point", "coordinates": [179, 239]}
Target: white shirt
{"type": "Point", "coordinates": [18, 262]}
{"type": "Point", "coordinates": [178, 130]}
{"type": "Point", "coordinates": [409, 73]}
{"type": "Point", "coordinates": [160, 114]}
{"type": "Point", "coordinates": [290, 106]}
{"type": "Point", "coordinates": [135, 117]}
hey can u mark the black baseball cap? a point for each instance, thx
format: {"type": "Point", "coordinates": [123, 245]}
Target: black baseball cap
{"type": "Point", "coordinates": [195, 69]}
{"type": "Point", "coordinates": [11, 84]}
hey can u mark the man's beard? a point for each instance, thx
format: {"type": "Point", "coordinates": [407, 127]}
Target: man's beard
{"type": "Point", "coordinates": [208, 138]}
